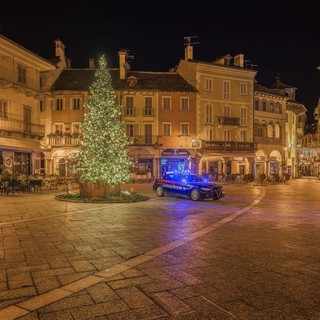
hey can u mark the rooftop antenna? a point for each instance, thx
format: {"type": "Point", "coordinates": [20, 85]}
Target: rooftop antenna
{"type": "Point", "coordinates": [188, 41]}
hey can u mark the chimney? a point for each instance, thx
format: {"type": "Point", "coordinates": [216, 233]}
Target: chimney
{"type": "Point", "coordinates": [60, 52]}
{"type": "Point", "coordinates": [238, 60]}
{"type": "Point", "coordinates": [60, 48]}
{"type": "Point", "coordinates": [122, 63]}
{"type": "Point", "coordinates": [188, 53]}
{"type": "Point", "coordinates": [91, 63]}
{"type": "Point", "coordinates": [227, 60]}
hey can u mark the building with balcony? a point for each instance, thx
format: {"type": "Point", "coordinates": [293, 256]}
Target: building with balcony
{"type": "Point", "coordinates": [224, 140]}
{"type": "Point", "coordinates": [24, 79]}
{"type": "Point", "coordinates": [140, 94]}
{"type": "Point", "coordinates": [294, 128]}
{"type": "Point", "coordinates": [269, 131]}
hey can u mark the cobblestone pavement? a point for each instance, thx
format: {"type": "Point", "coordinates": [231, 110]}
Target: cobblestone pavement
{"type": "Point", "coordinates": [252, 255]}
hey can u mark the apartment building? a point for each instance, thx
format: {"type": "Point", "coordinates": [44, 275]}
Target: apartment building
{"type": "Point", "coordinates": [155, 141]}
{"type": "Point", "coordinates": [24, 79]}
{"type": "Point", "coordinates": [202, 117]}
{"type": "Point", "coordinates": [270, 131]}
{"type": "Point", "coordinates": [294, 127]}
{"type": "Point", "coordinates": [224, 141]}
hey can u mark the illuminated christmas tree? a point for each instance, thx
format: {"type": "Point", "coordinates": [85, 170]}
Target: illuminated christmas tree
{"type": "Point", "coordinates": [103, 161]}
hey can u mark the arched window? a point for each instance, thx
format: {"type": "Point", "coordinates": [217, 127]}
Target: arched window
{"type": "Point", "coordinates": [263, 129]}
{"type": "Point", "coordinates": [264, 105]}
{"type": "Point", "coordinates": [271, 106]}
{"type": "Point", "coordinates": [270, 130]}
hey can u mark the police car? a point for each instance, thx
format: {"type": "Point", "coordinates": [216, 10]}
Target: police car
{"type": "Point", "coordinates": [187, 185]}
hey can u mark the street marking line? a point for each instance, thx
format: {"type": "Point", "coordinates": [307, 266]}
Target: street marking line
{"type": "Point", "coordinates": [15, 311]}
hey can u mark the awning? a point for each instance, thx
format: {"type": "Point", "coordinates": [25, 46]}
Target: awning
{"type": "Point", "coordinates": [19, 144]}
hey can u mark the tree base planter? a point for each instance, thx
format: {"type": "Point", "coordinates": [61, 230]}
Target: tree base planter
{"type": "Point", "coordinates": [123, 198]}
{"type": "Point", "coordinates": [98, 189]}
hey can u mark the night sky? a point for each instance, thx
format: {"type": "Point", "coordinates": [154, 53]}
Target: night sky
{"type": "Point", "coordinates": [276, 37]}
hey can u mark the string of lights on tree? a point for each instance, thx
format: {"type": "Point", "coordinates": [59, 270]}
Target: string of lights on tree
{"type": "Point", "coordinates": [103, 156]}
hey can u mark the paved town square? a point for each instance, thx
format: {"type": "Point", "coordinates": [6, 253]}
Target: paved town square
{"type": "Point", "coordinates": [251, 255]}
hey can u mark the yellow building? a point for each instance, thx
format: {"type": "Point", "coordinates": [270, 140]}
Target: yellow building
{"type": "Point", "coordinates": [270, 132]}
{"type": "Point", "coordinates": [294, 129]}
{"type": "Point", "coordinates": [224, 141]}
{"type": "Point", "coordinates": [24, 78]}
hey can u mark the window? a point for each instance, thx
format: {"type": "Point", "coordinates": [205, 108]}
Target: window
{"type": "Point", "coordinates": [270, 131]}
{"type": "Point", "coordinates": [277, 132]}
{"type": "Point", "coordinates": [243, 136]}
{"type": "Point", "coordinates": [42, 106]}
{"type": "Point", "coordinates": [208, 84]}
{"type": "Point", "coordinates": [243, 89]}
{"type": "Point", "coordinates": [148, 133]}
{"type": "Point", "coordinates": [129, 110]}
{"type": "Point", "coordinates": [184, 128]}
{"type": "Point", "coordinates": [264, 105]}
{"type": "Point", "coordinates": [3, 109]}
{"type": "Point", "coordinates": [256, 104]}
{"type": "Point", "coordinates": [166, 103]}
{"type": "Point", "coordinates": [271, 106]}
{"type": "Point", "coordinates": [243, 116]}
{"type": "Point", "coordinates": [58, 128]}
{"type": "Point", "coordinates": [227, 135]}
{"type": "Point", "coordinates": [184, 104]}
{"type": "Point", "coordinates": [130, 129]}
{"type": "Point", "coordinates": [148, 106]}
{"type": "Point", "coordinates": [59, 104]}
{"type": "Point", "coordinates": [76, 103]}
{"type": "Point", "coordinates": [226, 90]}
{"type": "Point", "coordinates": [209, 134]}
{"type": "Point", "coordinates": [209, 113]}
{"type": "Point", "coordinates": [166, 129]}
{"type": "Point", "coordinates": [22, 75]}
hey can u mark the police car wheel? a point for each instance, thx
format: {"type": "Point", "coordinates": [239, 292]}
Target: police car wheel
{"type": "Point", "coordinates": [195, 195]}
{"type": "Point", "coordinates": [159, 191]}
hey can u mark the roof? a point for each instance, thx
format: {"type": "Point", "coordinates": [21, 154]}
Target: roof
{"type": "Point", "coordinates": [81, 79]}
{"type": "Point", "coordinates": [280, 85]}
{"type": "Point", "coordinates": [259, 88]}
{"type": "Point", "coordinates": [296, 107]}
{"type": "Point", "coordinates": [2, 37]}
{"type": "Point", "coordinates": [220, 65]}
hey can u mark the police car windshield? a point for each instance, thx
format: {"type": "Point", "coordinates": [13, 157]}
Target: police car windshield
{"type": "Point", "coordinates": [192, 178]}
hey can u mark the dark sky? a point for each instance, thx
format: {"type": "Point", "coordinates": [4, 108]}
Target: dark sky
{"type": "Point", "coordinates": [279, 36]}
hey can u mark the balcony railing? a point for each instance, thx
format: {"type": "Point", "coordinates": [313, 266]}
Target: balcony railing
{"type": "Point", "coordinates": [228, 121]}
{"type": "Point", "coordinates": [11, 76]}
{"type": "Point", "coordinates": [148, 112]}
{"type": "Point", "coordinates": [129, 112]}
{"type": "Point", "coordinates": [228, 146]}
{"type": "Point", "coordinates": [64, 139]}
{"type": "Point", "coordinates": [146, 140]}
{"type": "Point", "coordinates": [10, 126]}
